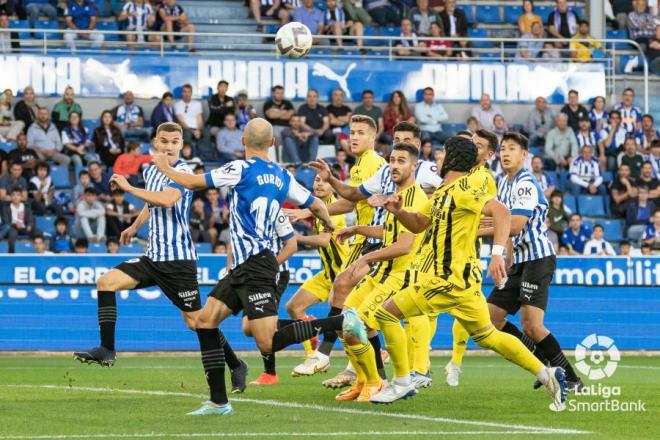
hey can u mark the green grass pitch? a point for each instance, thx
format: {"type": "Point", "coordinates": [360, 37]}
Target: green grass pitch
{"type": "Point", "coordinates": [147, 397]}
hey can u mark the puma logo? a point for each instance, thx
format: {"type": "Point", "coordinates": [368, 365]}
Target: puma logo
{"type": "Point", "coordinates": [528, 297]}
{"type": "Point", "coordinates": [259, 308]}
{"type": "Point", "coordinates": [326, 72]}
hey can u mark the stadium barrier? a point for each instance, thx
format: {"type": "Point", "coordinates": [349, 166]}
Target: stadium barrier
{"type": "Point", "coordinates": [49, 303]}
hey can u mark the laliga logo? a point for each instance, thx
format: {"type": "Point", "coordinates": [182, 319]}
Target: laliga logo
{"type": "Point", "coordinates": [605, 348]}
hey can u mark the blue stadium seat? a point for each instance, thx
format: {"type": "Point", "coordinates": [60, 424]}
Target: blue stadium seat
{"type": "Point", "coordinates": [130, 198]}
{"type": "Point", "coordinates": [589, 224]}
{"type": "Point", "coordinates": [305, 176]}
{"type": "Point", "coordinates": [133, 248]}
{"type": "Point", "coordinates": [553, 176]}
{"type": "Point", "coordinates": [619, 34]}
{"type": "Point", "coordinates": [469, 14]}
{"type": "Point", "coordinates": [24, 247]}
{"type": "Point", "coordinates": [613, 229]}
{"type": "Point", "coordinates": [46, 224]}
{"type": "Point", "coordinates": [489, 14]}
{"type": "Point", "coordinates": [370, 31]}
{"type": "Point", "coordinates": [143, 232]}
{"type": "Point", "coordinates": [592, 206]}
{"type": "Point", "coordinates": [512, 13]}
{"type": "Point", "coordinates": [569, 203]}
{"type": "Point", "coordinates": [543, 12]}
{"type": "Point", "coordinates": [478, 33]}
{"type": "Point", "coordinates": [608, 176]}
{"type": "Point", "coordinates": [564, 178]}
{"type": "Point", "coordinates": [90, 125]}
{"type": "Point", "coordinates": [60, 176]}
{"type": "Point", "coordinates": [97, 248]}
{"type": "Point", "coordinates": [6, 146]}
{"type": "Point", "coordinates": [3, 247]}
{"type": "Point", "coordinates": [203, 248]}
{"type": "Point", "coordinates": [108, 26]}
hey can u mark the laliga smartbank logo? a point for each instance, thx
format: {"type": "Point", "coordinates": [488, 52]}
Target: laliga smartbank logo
{"type": "Point", "coordinates": [597, 358]}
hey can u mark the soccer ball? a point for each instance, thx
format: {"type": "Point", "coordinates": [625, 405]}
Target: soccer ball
{"type": "Point", "coordinates": [293, 40]}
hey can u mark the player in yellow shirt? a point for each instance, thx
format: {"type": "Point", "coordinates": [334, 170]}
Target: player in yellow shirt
{"type": "Point", "coordinates": [447, 275]}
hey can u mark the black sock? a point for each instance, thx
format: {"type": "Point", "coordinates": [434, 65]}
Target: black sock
{"type": "Point", "coordinates": [329, 338]}
{"type": "Point", "coordinates": [211, 342]}
{"type": "Point", "coordinates": [284, 322]}
{"type": "Point", "coordinates": [230, 357]}
{"type": "Point", "coordinates": [552, 351]}
{"type": "Point", "coordinates": [269, 362]}
{"type": "Point", "coordinates": [107, 313]}
{"type": "Point", "coordinates": [375, 343]}
{"type": "Point", "coordinates": [526, 340]}
{"type": "Point", "coordinates": [301, 331]}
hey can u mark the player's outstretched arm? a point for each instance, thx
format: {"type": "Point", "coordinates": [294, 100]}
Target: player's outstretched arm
{"type": "Point", "coordinates": [348, 192]}
{"type": "Point", "coordinates": [320, 211]}
{"type": "Point", "coordinates": [165, 198]}
{"type": "Point", "coordinates": [189, 181]}
{"type": "Point", "coordinates": [415, 222]}
{"type": "Point", "coordinates": [502, 226]}
{"type": "Point", "coordinates": [518, 223]}
{"type": "Point", "coordinates": [128, 233]}
{"type": "Point", "coordinates": [318, 240]}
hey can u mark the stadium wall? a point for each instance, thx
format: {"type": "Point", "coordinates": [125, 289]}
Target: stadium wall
{"type": "Point", "coordinates": [49, 303]}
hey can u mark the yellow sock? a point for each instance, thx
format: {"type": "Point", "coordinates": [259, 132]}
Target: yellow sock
{"type": "Point", "coordinates": [460, 336]}
{"type": "Point", "coordinates": [361, 377]}
{"type": "Point", "coordinates": [421, 339]}
{"type": "Point", "coordinates": [509, 347]}
{"type": "Point", "coordinates": [307, 345]}
{"type": "Point", "coordinates": [364, 353]}
{"type": "Point", "coordinates": [433, 325]}
{"type": "Point", "coordinates": [395, 339]}
{"type": "Point", "coordinates": [409, 341]}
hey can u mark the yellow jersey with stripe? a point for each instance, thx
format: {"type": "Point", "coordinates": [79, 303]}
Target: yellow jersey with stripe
{"type": "Point", "coordinates": [485, 173]}
{"type": "Point", "coordinates": [334, 254]}
{"type": "Point", "coordinates": [413, 200]}
{"type": "Point", "coordinates": [448, 249]}
{"type": "Point", "coordinates": [366, 166]}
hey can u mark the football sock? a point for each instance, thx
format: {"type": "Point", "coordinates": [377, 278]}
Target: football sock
{"type": "Point", "coordinates": [284, 322]}
{"type": "Point", "coordinates": [307, 346]}
{"type": "Point", "coordinates": [433, 325]}
{"type": "Point", "coordinates": [107, 315]}
{"type": "Point", "coordinates": [364, 353]}
{"type": "Point", "coordinates": [552, 351]}
{"type": "Point", "coordinates": [211, 342]}
{"type": "Point", "coordinates": [410, 343]}
{"type": "Point", "coordinates": [395, 338]}
{"type": "Point", "coordinates": [303, 330]}
{"type": "Point", "coordinates": [230, 357]}
{"type": "Point", "coordinates": [421, 340]}
{"type": "Point", "coordinates": [375, 344]}
{"type": "Point", "coordinates": [526, 340]}
{"type": "Point", "coordinates": [460, 339]}
{"type": "Point", "coordinates": [269, 362]}
{"type": "Point", "coordinates": [329, 338]}
{"type": "Point", "coordinates": [510, 347]}
{"type": "Point", "coordinates": [354, 363]}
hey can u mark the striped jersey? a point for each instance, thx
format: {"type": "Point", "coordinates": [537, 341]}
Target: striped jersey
{"type": "Point", "coordinates": [587, 171]}
{"type": "Point", "coordinates": [630, 117]}
{"type": "Point", "coordinates": [334, 254]}
{"type": "Point", "coordinates": [598, 120]}
{"type": "Point", "coordinates": [523, 196]}
{"type": "Point", "coordinates": [169, 233]}
{"type": "Point", "coordinates": [283, 233]}
{"type": "Point", "coordinates": [592, 138]}
{"type": "Point", "coordinates": [366, 166]}
{"type": "Point", "coordinates": [258, 189]}
{"type": "Point", "coordinates": [426, 175]}
{"type": "Point", "coordinates": [142, 13]}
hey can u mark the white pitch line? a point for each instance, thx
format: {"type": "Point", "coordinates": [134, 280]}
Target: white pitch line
{"type": "Point", "coordinates": [280, 403]}
{"type": "Point", "coordinates": [639, 367]}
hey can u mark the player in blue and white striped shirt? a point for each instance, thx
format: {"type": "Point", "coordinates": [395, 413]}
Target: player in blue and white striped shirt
{"type": "Point", "coordinates": [534, 261]}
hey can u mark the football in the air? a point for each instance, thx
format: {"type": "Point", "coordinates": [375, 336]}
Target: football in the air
{"type": "Point", "coordinates": [293, 40]}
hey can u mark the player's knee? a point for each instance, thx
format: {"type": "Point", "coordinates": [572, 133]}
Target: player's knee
{"type": "Point", "coordinates": [291, 308]}
{"type": "Point", "coordinates": [104, 283]}
{"type": "Point", "coordinates": [265, 345]}
{"type": "Point", "coordinates": [535, 330]}
{"type": "Point", "coordinates": [245, 326]}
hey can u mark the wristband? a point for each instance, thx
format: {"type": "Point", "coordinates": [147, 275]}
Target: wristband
{"type": "Point", "coordinates": [498, 249]}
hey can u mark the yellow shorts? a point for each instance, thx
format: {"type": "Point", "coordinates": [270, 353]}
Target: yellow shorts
{"type": "Point", "coordinates": [369, 295]}
{"type": "Point", "coordinates": [319, 285]}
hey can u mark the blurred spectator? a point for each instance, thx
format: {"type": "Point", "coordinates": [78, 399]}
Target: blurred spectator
{"type": "Point", "coordinates": [638, 214]}
{"type": "Point", "coordinates": [218, 211]}
{"type": "Point", "coordinates": [422, 17]}
{"type": "Point", "coordinates": [560, 144]}
{"type": "Point", "coordinates": [139, 17]}
{"type": "Point", "coordinates": [36, 8]}
{"type": "Point", "coordinates": [647, 134]}
{"type": "Point", "coordinates": [574, 110]}
{"type": "Point", "coordinates": [278, 112]}
{"type": "Point", "coordinates": [39, 245]}
{"type": "Point", "coordinates": [499, 126]}
{"type": "Point", "coordinates": [107, 139]}
{"type": "Point", "coordinates": [355, 12]}
{"type": "Point", "coordinates": [339, 114]}
{"type": "Point", "coordinates": [9, 128]}
{"type": "Point", "coordinates": [645, 250]}
{"type": "Point", "coordinates": [270, 9]}
{"type": "Point", "coordinates": [80, 16]}
{"type": "Point", "coordinates": [310, 16]}
{"type": "Point", "coordinates": [187, 155]}
{"type": "Point", "coordinates": [426, 152]}
{"type": "Point", "coordinates": [189, 115]}
{"type": "Point", "coordinates": [129, 119]}
{"type": "Point", "coordinates": [563, 251]}
{"type": "Point", "coordinates": [26, 109]}
{"type": "Point", "coordinates": [112, 246]}
{"type": "Point", "coordinates": [437, 5]}
{"type": "Point", "coordinates": [528, 18]}
{"type": "Point", "coordinates": [173, 19]}
{"type": "Point", "coordinates": [580, 50]}
{"type": "Point", "coordinates": [163, 112]}
{"type": "Point", "coordinates": [61, 110]}
{"type": "Point", "coordinates": [585, 174]}
{"type": "Point", "coordinates": [244, 110]}
{"type": "Point", "coordinates": [576, 236]}
{"type": "Point", "coordinates": [81, 246]}
{"type": "Point", "coordinates": [90, 218]}
{"type": "Point", "coordinates": [647, 179]}
{"type": "Point", "coordinates": [45, 139]}
{"type": "Point", "coordinates": [397, 110]}
{"type": "Point", "coordinates": [563, 21]}
{"type": "Point", "coordinates": [335, 22]}
{"type": "Point", "coordinates": [373, 111]}
{"type": "Point", "coordinates": [41, 188]}
{"type": "Point", "coordinates": [652, 233]}
{"type": "Point", "coordinates": [13, 179]}
{"type": "Point", "coordinates": [557, 218]}
{"type": "Point", "coordinates": [598, 114]}
{"type": "Point", "coordinates": [586, 136]}
{"type": "Point", "coordinates": [454, 24]}
{"type": "Point", "coordinates": [381, 12]}
{"type": "Point", "coordinates": [201, 229]}
{"type": "Point", "coordinates": [613, 137]}
{"type": "Point", "coordinates": [625, 249]}
{"type": "Point", "coordinates": [288, 6]}
{"type": "Point", "coordinates": [654, 157]}
{"type": "Point", "coordinates": [76, 144]}
{"type": "Point", "coordinates": [119, 214]}
{"type": "Point", "coordinates": [631, 116]}
{"type": "Point", "coordinates": [622, 191]}
{"type": "Point", "coordinates": [220, 104]}
{"type": "Point", "coordinates": [641, 24]}
{"type": "Point", "coordinates": [23, 155]}
{"type": "Point", "coordinates": [228, 140]}
{"type": "Point", "coordinates": [486, 111]}
{"type": "Point", "coordinates": [18, 215]}
{"type": "Point", "coordinates": [654, 51]}
{"type": "Point", "coordinates": [550, 52]}
{"type": "Point", "coordinates": [532, 46]}
{"type": "Point", "coordinates": [546, 182]}
{"type": "Point", "coordinates": [4, 163]}
{"type": "Point", "coordinates": [100, 181]}
{"type": "Point", "coordinates": [438, 47]}
{"type": "Point", "coordinates": [315, 118]}
{"type": "Point", "coordinates": [539, 122]}
{"type": "Point", "coordinates": [631, 157]}
{"type": "Point", "coordinates": [301, 143]}
{"type": "Point", "coordinates": [597, 245]}
{"type": "Point", "coordinates": [130, 163]}
{"type": "Point", "coordinates": [408, 44]}
{"type": "Point", "coordinates": [84, 181]}
{"type": "Point", "coordinates": [472, 124]}
{"type": "Point", "coordinates": [220, 248]}
{"type": "Point", "coordinates": [342, 165]}
{"type": "Point", "coordinates": [429, 116]}
{"type": "Point", "coordinates": [620, 10]}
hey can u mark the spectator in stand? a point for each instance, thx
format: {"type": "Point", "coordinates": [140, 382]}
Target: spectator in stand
{"type": "Point", "coordinates": [585, 174]}
{"type": "Point", "coordinates": [339, 114]}
{"type": "Point", "coordinates": [112, 246]}
{"type": "Point", "coordinates": [129, 119]}
{"type": "Point", "coordinates": [647, 134]}
{"type": "Point", "coordinates": [311, 17]}
{"type": "Point", "coordinates": [397, 110]}
{"type": "Point", "coordinates": [438, 47]}
{"type": "Point", "coordinates": [315, 118]}
{"type": "Point", "coordinates": [45, 139]}
{"type": "Point", "coordinates": [426, 152]}
{"type": "Point", "coordinates": [613, 137]}
{"type": "Point", "coordinates": [23, 155]}
{"type": "Point", "coordinates": [631, 116]}
{"type": "Point", "coordinates": [4, 163]}
{"type": "Point", "coordinates": [598, 115]}
{"type": "Point", "coordinates": [651, 235]}
{"type": "Point", "coordinates": [10, 181]}
{"type": "Point", "coordinates": [576, 236]}
{"type": "Point", "coordinates": [557, 218]}
{"type": "Point", "coordinates": [201, 229]}
{"type": "Point", "coordinates": [278, 112]}
{"type": "Point", "coordinates": [39, 245]}
{"type": "Point", "coordinates": [76, 144]}
{"type": "Point", "coordinates": [244, 110]}
{"type": "Point", "coordinates": [641, 24]}
{"type": "Point", "coordinates": [620, 11]}
{"type": "Point", "coordinates": [81, 246]}
{"type": "Point", "coordinates": [228, 141]}
{"type": "Point", "coordinates": [130, 163]}
{"type": "Point", "coordinates": [9, 41]}
{"type": "Point", "coordinates": [26, 109]}
{"type": "Point", "coordinates": [499, 126]}
{"type": "Point", "coordinates": [528, 18]}
{"type": "Point", "coordinates": [472, 124]}
{"type": "Point", "coordinates": [645, 250]}
{"type": "Point", "coordinates": [654, 157]}
{"type": "Point", "coordinates": [119, 214]}
{"type": "Point", "coordinates": [580, 50]}
{"type": "Point", "coordinates": [631, 157]}
{"type": "Point", "coordinates": [381, 12]}
{"type": "Point", "coordinates": [646, 179]}
{"type": "Point", "coordinates": [301, 143]}
{"type": "Point", "coordinates": [79, 189]}
{"type": "Point", "coordinates": [62, 110]}
{"type": "Point", "coordinates": [638, 214]}
{"type": "Point", "coordinates": [622, 190]}
{"type": "Point", "coordinates": [173, 19]}
{"type": "Point", "coordinates": [422, 17]}
{"type": "Point", "coordinates": [437, 5]}
{"type": "Point", "coordinates": [343, 167]}
{"type": "Point", "coordinates": [187, 155]}
{"type": "Point", "coordinates": [598, 246]}
{"type": "Point", "coordinates": [163, 112]}
{"type": "Point", "coordinates": [335, 22]}
{"type": "Point", "coordinates": [550, 52]}
{"type": "Point", "coordinates": [531, 47]}
{"type": "Point", "coordinates": [9, 127]}
{"type": "Point", "coordinates": [625, 249]}
{"type": "Point", "coordinates": [560, 144]}
{"type": "Point", "coordinates": [36, 8]}
{"type": "Point", "coordinates": [369, 109]}
{"type": "Point", "coordinates": [18, 215]}
{"type": "Point", "coordinates": [586, 136]}
{"type": "Point", "coordinates": [288, 6]}
{"type": "Point", "coordinates": [355, 12]}
{"type": "Point", "coordinates": [61, 242]}
{"type": "Point", "coordinates": [220, 248]}
{"type": "Point", "coordinates": [107, 139]}
{"type": "Point", "coordinates": [90, 218]}
{"type": "Point", "coordinates": [539, 122]}
{"type": "Point", "coordinates": [271, 9]}
{"type": "Point", "coordinates": [654, 52]}
{"type": "Point", "coordinates": [574, 110]}
{"type": "Point", "coordinates": [139, 17]}
{"type": "Point", "coordinates": [220, 104]}
{"type": "Point", "coordinates": [409, 44]}
{"type": "Point", "coordinates": [80, 16]}
{"type": "Point", "coordinates": [189, 115]}
{"type": "Point", "coordinates": [546, 182]}
{"type": "Point", "coordinates": [486, 111]}
{"type": "Point", "coordinates": [454, 24]}
{"type": "Point", "coordinates": [562, 22]}
{"type": "Point", "coordinates": [41, 188]}
{"type": "Point", "coordinates": [99, 181]}
{"type": "Point", "coordinates": [218, 211]}
{"type": "Point", "coordinates": [429, 116]}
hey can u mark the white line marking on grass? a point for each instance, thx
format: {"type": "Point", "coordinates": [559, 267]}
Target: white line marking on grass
{"type": "Point", "coordinates": [280, 403]}
{"type": "Point", "coordinates": [638, 367]}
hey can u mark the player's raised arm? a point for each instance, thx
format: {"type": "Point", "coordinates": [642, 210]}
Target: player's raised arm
{"type": "Point", "coordinates": [189, 181]}
{"type": "Point", "coordinates": [320, 211]}
{"type": "Point", "coordinates": [502, 226]}
{"type": "Point", "coordinates": [165, 198]}
{"type": "Point", "coordinates": [415, 222]}
{"type": "Point", "coordinates": [348, 192]}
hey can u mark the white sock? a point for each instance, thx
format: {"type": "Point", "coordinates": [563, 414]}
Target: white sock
{"type": "Point", "coordinates": [350, 367]}
{"type": "Point", "coordinates": [544, 376]}
{"type": "Point", "coordinates": [403, 381]}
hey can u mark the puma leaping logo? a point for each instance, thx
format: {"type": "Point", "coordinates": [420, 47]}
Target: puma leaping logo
{"type": "Point", "coordinates": [259, 308]}
{"type": "Point", "coordinates": [318, 330]}
{"type": "Point", "coordinates": [326, 72]}
{"type": "Point", "coordinates": [529, 297]}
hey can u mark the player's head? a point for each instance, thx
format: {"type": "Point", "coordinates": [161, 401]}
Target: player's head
{"type": "Point", "coordinates": [363, 131]}
{"type": "Point", "coordinates": [169, 140]}
{"type": "Point", "coordinates": [407, 132]}
{"type": "Point", "coordinates": [513, 151]}
{"type": "Point", "coordinates": [486, 142]}
{"type": "Point", "coordinates": [322, 189]}
{"type": "Point", "coordinates": [403, 162]}
{"type": "Point", "coordinates": [460, 156]}
{"type": "Point", "coordinates": [597, 233]}
{"type": "Point", "coordinates": [258, 135]}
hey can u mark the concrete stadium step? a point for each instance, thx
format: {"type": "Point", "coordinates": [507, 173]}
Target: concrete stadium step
{"type": "Point", "coordinates": [214, 10]}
